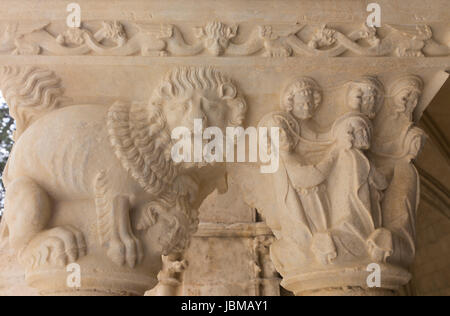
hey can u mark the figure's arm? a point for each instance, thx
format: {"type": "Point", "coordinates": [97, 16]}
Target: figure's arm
{"type": "Point", "coordinates": [327, 164]}
{"type": "Point", "coordinates": [378, 179]}
{"type": "Point", "coordinates": [311, 175]}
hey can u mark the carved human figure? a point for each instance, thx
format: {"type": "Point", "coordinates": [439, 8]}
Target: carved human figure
{"type": "Point", "coordinates": [404, 97]}
{"type": "Point", "coordinates": [302, 198]}
{"type": "Point", "coordinates": [401, 199]}
{"type": "Point", "coordinates": [300, 185]}
{"type": "Point", "coordinates": [405, 94]}
{"type": "Point", "coordinates": [355, 187]}
{"type": "Point", "coordinates": [365, 95]}
{"type": "Point", "coordinates": [110, 165]}
{"type": "Point", "coordinates": [301, 99]}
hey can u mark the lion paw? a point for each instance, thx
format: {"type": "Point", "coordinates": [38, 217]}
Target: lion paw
{"type": "Point", "coordinates": [57, 247]}
{"type": "Point", "coordinates": [127, 250]}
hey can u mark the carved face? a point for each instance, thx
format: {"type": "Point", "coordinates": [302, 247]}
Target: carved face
{"type": "Point", "coordinates": [198, 98]}
{"type": "Point", "coordinates": [406, 102]}
{"type": "Point", "coordinates": [216, 37]}
{"type": "Point", "coordinates": [204, 105]}
{"type": "Point", "coordinates": [361, 136]}
{"type": "Point", "coordinates": [353, 132]}
{"type": "Point", "coordinates": [302, 98]}
{"type": "Point", "coordinates": [304, 104]}
{"type": "Point", "coordinates": [165, 228]}
{"type": "Point", "coordinates": [363, 98]}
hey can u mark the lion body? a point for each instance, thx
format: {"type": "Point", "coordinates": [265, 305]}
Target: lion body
{"type": "Point", "coordinates": [65, 151]}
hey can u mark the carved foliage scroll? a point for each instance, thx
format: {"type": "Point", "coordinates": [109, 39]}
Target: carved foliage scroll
{"type": "Point", "coordinates": [215, 38]}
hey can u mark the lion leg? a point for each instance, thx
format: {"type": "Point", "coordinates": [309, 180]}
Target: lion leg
{"type": "Point", "coordinates": [123, 246]}
{"type": "Point", "coordinates": [114, 224]}
{"type": "Point", "coordinates": [27, 213]}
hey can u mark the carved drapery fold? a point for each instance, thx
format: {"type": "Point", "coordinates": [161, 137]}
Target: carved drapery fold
{"type": "Point", "coordinates": [344, 197]}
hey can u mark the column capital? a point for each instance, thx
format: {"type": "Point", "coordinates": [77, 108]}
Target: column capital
{"type": "Point", "coordinates": [91, 179]}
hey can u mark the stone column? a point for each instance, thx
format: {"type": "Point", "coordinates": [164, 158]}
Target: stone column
{"type": "Point", "coordinates": [91, 183]}
{"type": "Point", "coordinates": [228, 255]}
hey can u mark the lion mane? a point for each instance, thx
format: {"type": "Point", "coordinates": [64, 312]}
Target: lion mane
{"type": "Point", "coordinates": [142, 142]}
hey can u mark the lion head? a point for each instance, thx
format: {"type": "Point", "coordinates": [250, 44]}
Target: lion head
{"type": "Point", "coordinates": [216, 37]}
{"type": "Point", "coordinates": [190, 93]}
{"type": "Point", "coordinates": [140, 135]}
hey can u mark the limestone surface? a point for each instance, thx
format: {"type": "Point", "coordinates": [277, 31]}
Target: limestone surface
{"type": "Point", "coordinates": [96, 203]}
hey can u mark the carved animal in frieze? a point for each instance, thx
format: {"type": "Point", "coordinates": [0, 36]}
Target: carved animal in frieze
{"type": "Point", "coordinates": [216, 38]}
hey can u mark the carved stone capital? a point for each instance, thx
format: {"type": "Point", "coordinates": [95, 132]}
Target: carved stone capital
{"type": "Point", "coordinates": [344, 199]}
{"type": "Point", "coordinates": [91, 179]}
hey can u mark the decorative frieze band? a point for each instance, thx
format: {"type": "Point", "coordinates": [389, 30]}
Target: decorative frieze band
{"type": "Point", "coordinates": [114, 38]}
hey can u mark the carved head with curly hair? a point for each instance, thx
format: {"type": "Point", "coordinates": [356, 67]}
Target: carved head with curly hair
{"type": "Point", "coordinates": [406, 93]}
{"type": "Point", "coordinates": [365, 95]}
{"type": "Point", "coordinates": [302, 98]}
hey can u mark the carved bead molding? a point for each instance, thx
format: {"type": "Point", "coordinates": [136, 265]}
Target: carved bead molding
{"type": "Point", "coordinates": [114, 38]}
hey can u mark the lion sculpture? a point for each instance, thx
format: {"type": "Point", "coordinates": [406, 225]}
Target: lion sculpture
{"type": "Point", "coordinates": [115, 160]}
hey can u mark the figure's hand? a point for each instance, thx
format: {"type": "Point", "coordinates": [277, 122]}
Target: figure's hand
{"type": "Point", "coordinates": [380, 245]}
{"type": "Point", "coordinates": [333, 153]}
